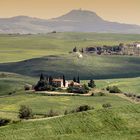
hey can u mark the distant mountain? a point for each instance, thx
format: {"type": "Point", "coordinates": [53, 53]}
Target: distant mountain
{"type": "Point", "coordinates": [74, 21]}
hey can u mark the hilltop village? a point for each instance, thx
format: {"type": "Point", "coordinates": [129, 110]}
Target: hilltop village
{"type": "Point", "coordinates": [121, 49]}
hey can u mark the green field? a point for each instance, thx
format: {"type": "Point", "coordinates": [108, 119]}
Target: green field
{"type": "Point", "coordinates": [120, 122]}
{"type": "Point", "coordinates": [127, 85]}
{"type": "Point", "coordinates": [13, 83]}
{"type": "Point", "coordinates": [111, 124]}
{"type": "Point", "coordinates": [40, 104]}
{"type": "Point", "coordinates": [21, 47]}
{"type": "Point", "coordinates": [50, 54]}
{"type": "Point", "coordinates": [26, 56]}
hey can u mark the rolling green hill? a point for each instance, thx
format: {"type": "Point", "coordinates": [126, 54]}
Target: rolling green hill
{"type": "Point", "coordinates": [96, 67]}
{"type": "Point", "coordinates": [127, 85]}
{"type": "Point", "coordinates": [110, 124]}
{"type": "Point", "coordinates": [11, 83]}
{"type": "Point", "coordinates": [119, 122]}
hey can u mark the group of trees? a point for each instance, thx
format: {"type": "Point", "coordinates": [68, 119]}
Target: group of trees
{"type": "Point", "coordinates": [77, 80]}
{"type": "Point", "coordinates": [46, 83]}
{"type": "Point", "coordinates": [82, 89]}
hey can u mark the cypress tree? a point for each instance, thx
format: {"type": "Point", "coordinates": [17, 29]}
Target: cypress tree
{"type": "Point", "coordinates": [50, 80]}
{"type": "Point", "coordinates": [82, 51]}
{"type": "Point", "coordinates": [74, 79]}
{"type": "Point", "coordinates": [78, 80]}
{"type": "Point", "coordinates": [41, 77]}
{"type": "Point", "coordinates": [64, 81]}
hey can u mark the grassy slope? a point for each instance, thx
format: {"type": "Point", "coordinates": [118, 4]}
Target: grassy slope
{"type": "Point", "coordinates": [21, 47]}
{"type": "Point", "coordinates": [16, 48]}
{"type": "Point", "coordinates": [129, 85]}
{"type": "Point", "coordinates": [121, 122]}
{"type": "Point", "coordinates": [87, 67]}
{"type": "Point", "coordinates": [42, 104]}
{"type": "Point", "coordinates": [12, 83]}
{"type": "Point", "coordinates": [113, 124]}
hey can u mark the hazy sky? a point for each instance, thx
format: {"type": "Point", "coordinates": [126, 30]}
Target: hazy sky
{"type": "Point", "coordinates": [127, 11]}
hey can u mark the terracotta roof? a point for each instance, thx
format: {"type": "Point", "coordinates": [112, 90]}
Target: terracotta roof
{"type": "Point", "coordinates": [57, 80]}
{"type": "Point", "coordinates": [75, 83]}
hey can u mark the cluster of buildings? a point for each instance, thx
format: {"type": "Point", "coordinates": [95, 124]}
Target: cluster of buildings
{"type": "Point", "coordinates": [59, 83]}
{"type": "Point", "coordinates": [132, 49]}
{"type": "Point", "coordinates": [121, 49]}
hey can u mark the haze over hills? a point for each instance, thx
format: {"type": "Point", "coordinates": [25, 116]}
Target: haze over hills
{"type": "Point", "coordinates": [74, 21]}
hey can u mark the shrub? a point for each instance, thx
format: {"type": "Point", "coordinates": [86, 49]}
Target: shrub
{"type": "Point", "coordinates": [107, 88]}
{"type": "Point", "coordinates": [27, 87]}
{"type": "Point", "coordinates": [98, 94]}
{"type": "Point", "coordinates": [107, 105]}
{"type": "Point", "coordinates": [66, 112]}
{"type": "Point", "coordinates": [129, 94]}
{"type": "Point", "coordinates": [25, 112]}
{"type": "Point", "coordinates": [4, 121]}
{"type": "Point", "coordinates": [92, 94]}
{"type": "Point", "coordinates": [113, 89]}
{"type": "Point", "coordinates": [52, 113]}
{"type": "Point", "coordinates": [101, 94]}
{"type": "Point", "coordinates": [81, 90]}
{"type": "Point", "coordinates": [138, 96]}
{"type": "Point", "coordinates": [10, 93]}
{"type": "Point", "coordinates": [83, 108]}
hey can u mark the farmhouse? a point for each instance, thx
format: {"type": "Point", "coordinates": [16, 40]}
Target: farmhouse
{"type": "Point", "coordinates": [59, 83]}
{"type": "Point", "coordinates": [74, 84]}
{"type": "Point", "coordinates": [137, 44]}
{"type": "Point", "coordinates": [132, 49]}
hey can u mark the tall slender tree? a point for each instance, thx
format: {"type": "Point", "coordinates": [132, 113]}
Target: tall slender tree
{"type": "Point", "coordinates": [78, 80]}
{"type": "Point", "coordinates": [42, 77]}
{"type": "Point", "coordinates": [64, 81]}
{"type": "Point", "coordinates": [82, 50]}
{"type": "Point", "coordinates": [74, 79]}
{"type": "Point", "coordinates": [50, 80]}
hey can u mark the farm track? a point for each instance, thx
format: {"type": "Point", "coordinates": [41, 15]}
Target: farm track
{"type": "Point", "coordinates": [127, 98]}
{"type": "Point", "coordinates": [41, 119]}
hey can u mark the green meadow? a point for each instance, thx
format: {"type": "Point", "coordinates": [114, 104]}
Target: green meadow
{"type": "Point", "coordinates": [15, 48]}
{"type": "Point", "coordinates": [24, 57]}
{"type": "Point", "coordinates": [104, 124]}
{"type": "Point", "coordinates": [40, 104]}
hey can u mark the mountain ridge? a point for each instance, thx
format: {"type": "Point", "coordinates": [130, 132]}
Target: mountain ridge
{"type": "Point", "coordinates": [73, 21]}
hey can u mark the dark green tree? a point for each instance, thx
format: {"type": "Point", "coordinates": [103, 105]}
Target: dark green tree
{"type": "Point", "coordinates": [64, 81]}
{"type": "Point", "coordinates": [42, 77]}
{"type": "Point", "coordinates": [74, 79]}
{"type": "Point", "coordinates": [78, 80]}
{"type": "Point", "coordinates": [82, 50]}
{"type": "Point", "coordinates": [50, 80]}
{"type": "Point", "coordinates": [92, 84]}
{"type": "Point", "coordinates": [25, 112]}
{"type": "Point", "coordinates": [75, 49]}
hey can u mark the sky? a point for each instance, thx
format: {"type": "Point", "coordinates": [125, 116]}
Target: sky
{"type": "Point", "coordinates": [124, 11]}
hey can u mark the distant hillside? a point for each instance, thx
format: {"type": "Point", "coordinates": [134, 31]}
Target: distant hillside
{"type": "Point", "coordinates": [74, 21]}
{"type": "Point", "coordinates": [96, 67]}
